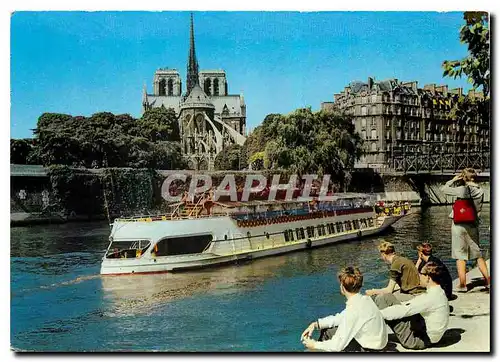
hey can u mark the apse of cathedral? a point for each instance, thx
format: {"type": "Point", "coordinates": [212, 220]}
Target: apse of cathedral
{"type": "Point", "coordinates": [209, 118]}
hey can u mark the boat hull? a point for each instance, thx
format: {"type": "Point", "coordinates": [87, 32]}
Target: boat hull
{"type": "Point", "coordinates": [151, 264]}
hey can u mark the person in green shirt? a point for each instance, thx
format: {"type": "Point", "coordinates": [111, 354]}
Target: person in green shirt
{"type": "Point", "coordinates": [402, 273]}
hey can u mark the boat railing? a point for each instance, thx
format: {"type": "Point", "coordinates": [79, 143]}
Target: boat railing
{"type": "Point", "coordinates": [169, 216]}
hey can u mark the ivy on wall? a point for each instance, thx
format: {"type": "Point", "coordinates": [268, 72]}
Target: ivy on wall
{"type": "Point", "coordinates": [76, 191]}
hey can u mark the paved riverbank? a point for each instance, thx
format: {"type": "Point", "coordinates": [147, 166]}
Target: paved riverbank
{"type": "Point", "coordinates": [469, 328]}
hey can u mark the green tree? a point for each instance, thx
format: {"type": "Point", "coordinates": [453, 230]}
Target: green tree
{"type": "Point", "coordinates": [159, 124]}
{"type": "Point", "coordinates": [21, 151]}
{"type": "Point", "coordinates": [106, 140]}
{"type": "Point", "coordinates": [306, 142]}
{"type": "Point", "coordinates": [476, 65]}
{"type": "Point", "coordinates": [230, 158]}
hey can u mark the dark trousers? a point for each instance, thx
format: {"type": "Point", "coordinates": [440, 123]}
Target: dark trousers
{"type": "Point", "coordinates": [353, 346]}
{"type": "Point", "coordinates": [411, 331]}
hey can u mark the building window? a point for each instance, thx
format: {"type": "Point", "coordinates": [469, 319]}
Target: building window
{"type": "Point", "coordinates": [388, 134]}
{"type": "Point", "coordinates": [374, 121]}
{"type": "Point", "coordinates": [374, 133]}
{"type": "Point", "coordinates": [162, 87]}
{"type": "Point", "coordinates": [374, 109]}
{"type": "Point", "coordinates": [170, 87]}
{"type": "Point", "coordinates": [363, 134]}
{"type": "Point", "coordinates": [374, 146]}
{"type": "Point", "coordinates": [208, 86]}
{"type": "Point", "coordinates": [363, 111]}
{"type": "Point", "coordinates": [363, 122]}
{"type": "Point", "coordinates": [374, 98]}
{"type": "Point", "coordinates": [216, 87]}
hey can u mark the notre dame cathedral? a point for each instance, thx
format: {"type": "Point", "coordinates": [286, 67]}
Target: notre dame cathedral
{"type": "Point", "coordinates": [209, 118]}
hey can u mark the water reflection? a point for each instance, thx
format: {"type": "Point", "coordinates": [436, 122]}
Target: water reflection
{"type": "Point", "coordinates": [132, 294]}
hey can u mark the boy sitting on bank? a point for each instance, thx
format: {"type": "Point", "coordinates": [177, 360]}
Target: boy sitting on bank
{"type": "Point", "coordinates": [425, 256]}
{"type": "Point", "coordinates": [402, 272]}
{"type": "Point", "coordinates": [421, 321]}
{"type": "Point", "coordinates": [359, 327]}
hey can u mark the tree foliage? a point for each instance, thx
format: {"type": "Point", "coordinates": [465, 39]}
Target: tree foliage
{"type": "Point", "coordinates": [108, 140]}
{"type": "Point", "coordinates": [159, 124]}
{"type": "Point", "coordinates": [230, 158]}
{"type": "Point", "coordinates": [305, 142]}
{"type": "Point", "coordinates": [21, 151]}
{"type": "Point", "coordinates": [476, 66]}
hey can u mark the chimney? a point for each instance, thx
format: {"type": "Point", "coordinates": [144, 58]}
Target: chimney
{"type": "Point", "coordinates": [431, 87]}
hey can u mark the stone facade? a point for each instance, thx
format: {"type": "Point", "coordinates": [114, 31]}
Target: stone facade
{"type": "Point", "coordinates": [209, 118]}
{"type": "Point", "coordinates": [395, 118]}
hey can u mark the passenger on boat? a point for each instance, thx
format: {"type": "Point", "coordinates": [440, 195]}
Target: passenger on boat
{"type": "Point", "coordinates": [421, 322]}
{"type": "Point", "coordinates": [425, 256]}
{"type": "Point", "coordinates": [402, 272]}
{"type": "Point", "coordinates": [360, 327]}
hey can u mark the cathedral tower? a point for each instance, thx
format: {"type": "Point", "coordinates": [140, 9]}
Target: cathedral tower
{"type": "Point", "coordinates": [192, 66]}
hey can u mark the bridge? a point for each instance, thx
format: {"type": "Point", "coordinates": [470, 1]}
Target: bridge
{"type": "Point", "coordinates": [433, 160]}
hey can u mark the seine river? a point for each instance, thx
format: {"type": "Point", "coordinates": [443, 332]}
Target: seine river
{"type": "Point", "coordinates": [59, 302]}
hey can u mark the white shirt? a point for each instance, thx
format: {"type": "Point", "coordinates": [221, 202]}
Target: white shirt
{"type": "Point", "coordinates": [361, 320]}
{"type": "Point", "coordinates": [432, 305]}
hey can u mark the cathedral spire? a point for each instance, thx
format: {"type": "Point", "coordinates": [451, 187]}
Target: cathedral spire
{"type": "Point", "coordinates": [145, 101]}
{"type": "Point", "coordinates": [192, 66]}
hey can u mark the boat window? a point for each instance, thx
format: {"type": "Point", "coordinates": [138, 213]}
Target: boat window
{"type": "Point", "coordinates": [310, 231]}
{"type": "Point", "coordinates": [339, 227]}
{"type": "Point", "coordinates": [321, 230]}
{"type": "Point", "coordinates": [183, 245]}
{"type": "Point", "coordinates": [288, 235]}
{"type": "Point", "coordinates": [127, 249]}
{"type": "Point", "coordinates": [356, 224]}
{"type": "Point", "coordinates": [300, 233]}
{"type": "Point", "coordinates": [331, 229]}
{"type": "Point", "coordinates": [347, 225]}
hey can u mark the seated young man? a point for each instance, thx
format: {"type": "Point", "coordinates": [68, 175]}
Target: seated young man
{"type": "Point", "coordinates": [424, 256]}
{"type": "Point", "coordinates": [421, 321]}
{"type": "Point", "coordinates": [359, 327]}
{"type": "Point", "coordinates": [402, 272]}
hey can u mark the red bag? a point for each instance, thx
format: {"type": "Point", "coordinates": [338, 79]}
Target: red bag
{"type": "Point", "coordinates": [464, 211]}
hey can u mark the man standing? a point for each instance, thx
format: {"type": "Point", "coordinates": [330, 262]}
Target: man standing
{"type": "Point", "coordinates": [424, 256]}
{"type": "Point", "coordinates": [402, 272]}
{"type": "Point", "coordinates": [359, 327]}
{"type": "Point", "coordinates": [421, 321]}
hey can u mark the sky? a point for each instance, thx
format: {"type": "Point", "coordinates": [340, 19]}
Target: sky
{"type": "Point", "coordinates": [80, 63]}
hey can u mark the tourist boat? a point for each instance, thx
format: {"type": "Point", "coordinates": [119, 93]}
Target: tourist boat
{"type": "Point", "coordinates": [235, 232]}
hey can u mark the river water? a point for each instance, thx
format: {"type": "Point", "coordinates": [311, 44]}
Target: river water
{"type": "Point", "coordinates": [59, 302]}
